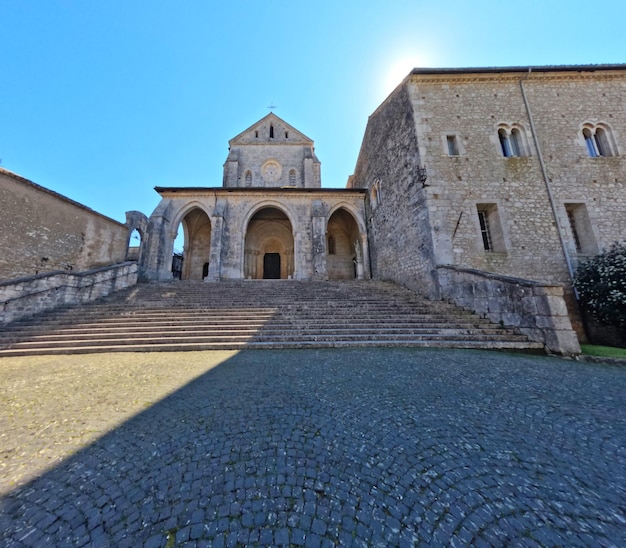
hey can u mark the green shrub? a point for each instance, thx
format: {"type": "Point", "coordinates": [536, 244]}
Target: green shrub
{"type": "Point", "coordinates": [601, 285]}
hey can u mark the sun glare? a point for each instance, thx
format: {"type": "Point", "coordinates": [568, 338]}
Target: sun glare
{"type": "Point", "coordinates": [400, 67]}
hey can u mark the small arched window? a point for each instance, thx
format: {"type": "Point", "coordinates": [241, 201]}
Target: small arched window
{"type": "Point", "coordinates": [248, 178]}
{"type": "Point", "coordinates": [599, 141]}
{"type": "Point", "coordinates": [504, 143]}
{"type": "Point", "coordinates": [331, 245]}
{"type": "Point", "coordinates": [512, 141]}
{"type": "Point", "coordinates": [516, 142]}
{"type": "Point", "coordinates": [292, 177]}
{"type": "Point", "coordinates": [271, 131]}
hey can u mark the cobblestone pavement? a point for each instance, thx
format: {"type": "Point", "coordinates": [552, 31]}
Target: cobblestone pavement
{"type": "Point", "coordinates": [351, 447]}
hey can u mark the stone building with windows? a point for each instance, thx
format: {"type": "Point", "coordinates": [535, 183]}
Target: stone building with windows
{"type": "Point", "coordinates": [270, 220]}
{"type": "Point", "coordinates": [494, 173]}
{"type": "Point", "coordinates": [485, 187]}
{"type": "Point", "coordinates": [468, 183]}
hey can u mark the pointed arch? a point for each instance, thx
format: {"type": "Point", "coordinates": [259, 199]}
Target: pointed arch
{"type": "Point", "coordinates": [137, 224]}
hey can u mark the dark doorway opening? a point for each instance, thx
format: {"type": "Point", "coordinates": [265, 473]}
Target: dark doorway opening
{"type": "Point", "coordinates": [271, 266]}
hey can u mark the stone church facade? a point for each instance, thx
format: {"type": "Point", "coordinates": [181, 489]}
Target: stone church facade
{"type": "Point", "coordinates": [270, 220]}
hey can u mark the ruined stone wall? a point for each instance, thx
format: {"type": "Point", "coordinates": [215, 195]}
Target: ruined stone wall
{"type": "Point", "coordinates": [399, 228]}
{"type": "Point", "coordinates": [43, 231]}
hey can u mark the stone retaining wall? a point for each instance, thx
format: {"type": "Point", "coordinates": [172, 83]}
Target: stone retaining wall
{"type": "Point", "coordinates": [536, 309]}
{"type": "Point", "coordinates": [23, 297]}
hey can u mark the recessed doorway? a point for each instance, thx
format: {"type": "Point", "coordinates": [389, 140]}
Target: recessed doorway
{"type": "Point", "coordinates": [271, 266]}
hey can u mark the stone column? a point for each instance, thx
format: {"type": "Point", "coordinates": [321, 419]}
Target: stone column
{"type": "Point", "coordinates": [318, 233]}
{"type": "Point", "coordinates": [157, 258]}
{"type": "Point", "coordinates": [358, 260]}
{"type": "Point", "coordinates": [217, 231]}
{"type": "Point", "coordinates": [290, 263]}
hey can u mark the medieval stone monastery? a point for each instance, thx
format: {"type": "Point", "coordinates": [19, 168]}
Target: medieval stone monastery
{"type": "Point", "coordinates": [483, 187]}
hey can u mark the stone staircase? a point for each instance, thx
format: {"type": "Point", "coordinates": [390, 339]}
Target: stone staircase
{"type": "Point", "coordinates": [255, 314]}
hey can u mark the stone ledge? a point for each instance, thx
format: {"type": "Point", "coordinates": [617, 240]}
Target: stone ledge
{"type": "Point", "coordinates": [26, 296]}
{"type": "Point", "coordinates": [534, 308]}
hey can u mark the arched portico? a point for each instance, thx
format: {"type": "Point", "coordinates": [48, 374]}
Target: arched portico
{"type": "Point", "coordinates": [197, 233]}
{"type": "Point", "coordinates": [344, 246]}
{"type": "Point", "coordinates": [269, 245]}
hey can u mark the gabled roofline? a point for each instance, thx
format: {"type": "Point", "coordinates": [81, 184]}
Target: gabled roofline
{"type": "Point", "coordinates": [277, 118]}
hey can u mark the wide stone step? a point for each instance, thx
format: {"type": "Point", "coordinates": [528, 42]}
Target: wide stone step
{"type": "Point", "coordinates": [232, 315]}
{"type": "Point", "coordinates": [187, 347]}
{"type": "Point", "coordinates": [266, 332]}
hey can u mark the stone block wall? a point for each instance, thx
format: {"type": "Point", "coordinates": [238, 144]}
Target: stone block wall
{"type": "Point", "coordinates": [269, 157]}
{"type": "Point", "coordinates": [536, 309]}
{"type": "Point", "coordinates": [399, 226]}
{"type": "Point", "coordinates": [549, 108]}
{"type": "Point", "coordinates": [560, 107]}
{"type": "Point", "coordinates": [24, 297]}
{"type": "Point", "coordinates": [471, 108]}
{"type": "Point", "coordinates": [43, 231]}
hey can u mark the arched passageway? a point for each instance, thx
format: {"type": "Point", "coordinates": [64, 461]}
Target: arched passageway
{"type": "Point", "coordinates": [134, 245]}
{"type": "Point", "coordinates": [343, 246]}
{"type": "Point", "coordinates": [197, 230]}
{"type": "Point", "coordinates": [269, 246]}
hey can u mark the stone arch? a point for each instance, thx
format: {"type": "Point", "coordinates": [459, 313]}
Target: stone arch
{"type": "Point", "coordinates": [137, 224]}
{"type": "Point", "coordinates": [346, 262]}
{"type": "Point", "coordinates": [196, 226]}
{"type": "Point", "coordinates": [268, 244]}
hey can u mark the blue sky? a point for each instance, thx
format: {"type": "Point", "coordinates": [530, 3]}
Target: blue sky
{"type": "Point", "coordinates": [103, 100]}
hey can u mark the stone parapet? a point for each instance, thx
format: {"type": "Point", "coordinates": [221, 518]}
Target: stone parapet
{"type": "Point", "coordinates": [534, 308]}
{"type": "Point", "coordinates": [24, 297]}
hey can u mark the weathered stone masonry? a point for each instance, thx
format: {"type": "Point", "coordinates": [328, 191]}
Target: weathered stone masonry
{"type": "Point", "coordinates": [43, 231]}
{"type": "Point", "coordinates": [513, 186]}
{"type": "Point", "coordinates": [485, 187]}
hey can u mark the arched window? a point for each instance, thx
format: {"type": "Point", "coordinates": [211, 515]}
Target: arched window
{"type": "Point", "coordinates": [248, 178]}
{"type": "Point", "coordinates": [590, 142]}
{"type": "Point", "coordinates": [516, 142]}
{"type": "Point", "coordinates": [504, 143]}
{"type": "Point", "coordinates": [271, 131]}
{"type": "Point", "coordinates": [512, 141]}
{"type": "Point", "coordinates": [292, 177]}
{"type": "Point", "coordinates": [599, 141]}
